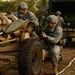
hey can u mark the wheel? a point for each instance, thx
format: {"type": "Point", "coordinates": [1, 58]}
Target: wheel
{"type": "Point", "coordinates": [30, 57]}
{"type": "Point", "coordinates": [25, 36]}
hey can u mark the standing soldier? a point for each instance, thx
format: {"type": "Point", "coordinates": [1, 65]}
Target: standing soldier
{"type": "Point", "coordinates": [52, 34]}
{"type": "Point", "coordinates": [60, 19]}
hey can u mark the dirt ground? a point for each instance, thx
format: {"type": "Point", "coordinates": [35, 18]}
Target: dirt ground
{"type": "Point", "coordinates": [68, 53]}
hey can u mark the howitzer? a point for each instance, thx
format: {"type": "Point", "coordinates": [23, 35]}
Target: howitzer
{"type": "Point", "coordinates": [16, 25]}
{"type": "Point", "coordinates": [22, 49]}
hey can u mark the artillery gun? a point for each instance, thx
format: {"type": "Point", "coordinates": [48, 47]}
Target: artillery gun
{"type": "Point", "coordinates": [18, 47]}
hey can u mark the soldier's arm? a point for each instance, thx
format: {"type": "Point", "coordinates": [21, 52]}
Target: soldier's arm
{"type": "Point", "coordinates": [34, 19]}
{"type": "Point", "coordinates": [57, 36]}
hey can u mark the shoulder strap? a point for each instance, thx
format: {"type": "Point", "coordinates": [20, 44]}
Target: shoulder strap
{"type": "Point", "coordinates": [26, 16]}
{"type": "Point", "coordinates": [18, 15]}
{"type": "Point", "coordinates": [55, 28]}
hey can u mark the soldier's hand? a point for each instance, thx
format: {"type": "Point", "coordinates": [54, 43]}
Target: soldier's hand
{"type": "Point", "coordinates": [43, 34]}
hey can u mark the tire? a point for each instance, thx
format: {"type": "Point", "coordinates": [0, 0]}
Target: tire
{"type": "Point", "coordinates": [30, 57]}
{"type": "Point", "coordinates": [25, 36]}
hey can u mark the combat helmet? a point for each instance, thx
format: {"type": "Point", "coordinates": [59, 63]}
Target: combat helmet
{"type": "Point", "coordinates": [58, 12]}
{"type": "Point", "coordinates": [22, 5]}
{"type": "Point", "coordinates": [52, 18]}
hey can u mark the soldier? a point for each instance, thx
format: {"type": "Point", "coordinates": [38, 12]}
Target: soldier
{"type": "Point", "coordinates": [60, 19]}
{"type": "Point", "coordinates": [52, 34]}
{"type": "Point", "coordinates": [24, 13]}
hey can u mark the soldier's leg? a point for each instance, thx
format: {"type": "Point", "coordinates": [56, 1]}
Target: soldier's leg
{"type": "Point", "coordinates": [54, 53]}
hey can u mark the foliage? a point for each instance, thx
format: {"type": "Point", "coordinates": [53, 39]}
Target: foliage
{"type": "Point", "coordinates": [11, 6]}
{"type": "Point", "coordinates": [42, 6]}
{"type": "Point", "coordinates": [8, 7]}
{"type": "Point", "coordinates": [42, 11]}
{"type": "Point", "coordinates": [39, 8]}
{"type": "Point", "coordinates": [31, 5]}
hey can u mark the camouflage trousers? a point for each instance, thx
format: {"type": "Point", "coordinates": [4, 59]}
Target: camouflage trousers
{"type": "Point", "coordinates": [54, 54]}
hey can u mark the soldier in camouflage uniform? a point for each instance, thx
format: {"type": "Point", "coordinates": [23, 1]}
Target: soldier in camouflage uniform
{"type": "Point", "coordinates": [23, 13]}
{"type": "Point", "coordinates": [60, 18]}
{"type": "Point", "coordinates": [52, 34]}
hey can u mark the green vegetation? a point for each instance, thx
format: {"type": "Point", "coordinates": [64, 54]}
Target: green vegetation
{"type": "Point", "coordinates": [8, 7]}
{"type": "Point", "coordinates": [11, 6]}
{"type": "Point", "coordinates": [39, 8]}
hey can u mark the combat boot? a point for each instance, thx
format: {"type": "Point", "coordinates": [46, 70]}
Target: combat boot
{"type": "Point", "coordinates": [55, 71]}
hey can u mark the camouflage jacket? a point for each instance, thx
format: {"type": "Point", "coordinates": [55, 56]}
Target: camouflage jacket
{"type": "Point", "coordinates": [53, 35]}
{"type": "Point", "coordinates": [29, 15]}
{"type": "Point", "coordinates": [60, 20]}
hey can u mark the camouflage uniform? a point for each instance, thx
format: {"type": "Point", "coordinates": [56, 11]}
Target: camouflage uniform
{"type": "Point", "coordinates": [52, 35]}
{"type": "Point", "coordinates": [28, 15]}
{"type": "Point", "coordinates": [60, 19]}
{"type": "Point", "coordinates": [23, 13]}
